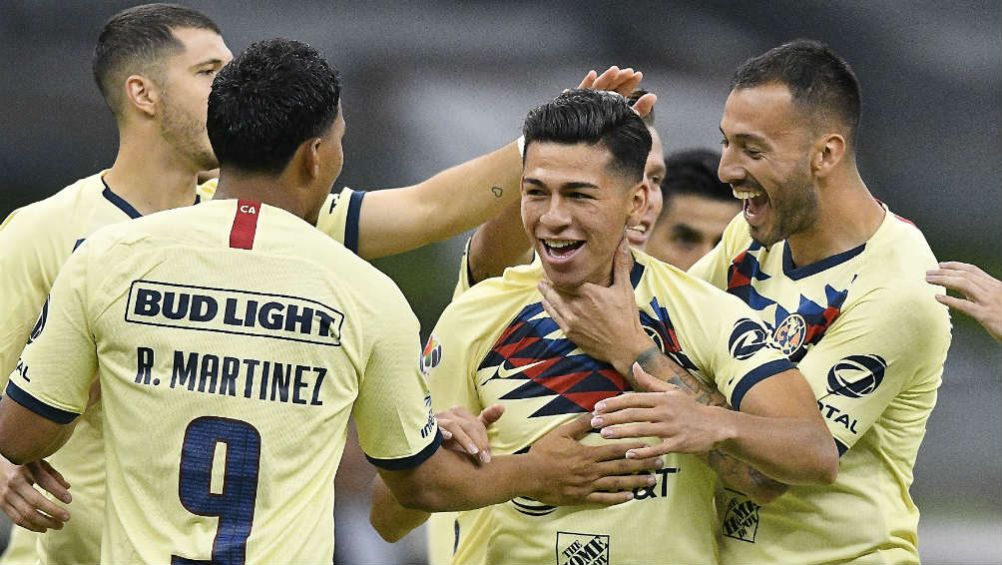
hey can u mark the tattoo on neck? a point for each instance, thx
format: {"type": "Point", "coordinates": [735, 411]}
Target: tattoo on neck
{"type": "Point", "coordinates": [497, 190]}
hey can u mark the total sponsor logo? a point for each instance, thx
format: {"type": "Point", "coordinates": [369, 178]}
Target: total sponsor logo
{"type": "Point", "coordinates": [233, 311]}
{"type": "Point", "coordinates": [36, 331]}
{"type": "Point", "coordinates": [574, 548]}
{"type": "Point", "coordinates": [747, 338]}
{"type": "Point", "coordinates": [854, 376]}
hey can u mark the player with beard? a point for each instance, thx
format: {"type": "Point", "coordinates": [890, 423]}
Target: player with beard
{"type": "Point", "coordinates": [840, 282]}
{"type": "Point", "coordinates": [583, 184]}
{"type": "Point", "coordinates": [154, 65]}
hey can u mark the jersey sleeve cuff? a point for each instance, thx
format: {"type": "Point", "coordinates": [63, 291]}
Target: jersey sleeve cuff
{"type": "Point", "coordinates": [756, 376]}
{"type": "Point", "coordinates": [351, 222]}
{"type": "Point", "coordinates": [19, 395]}
{"type": "Point", "coordinates": [405, 463]}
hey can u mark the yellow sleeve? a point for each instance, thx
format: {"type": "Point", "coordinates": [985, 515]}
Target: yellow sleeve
{"type": "Point", "coordinates": [28, 266]}
{"type": "Point", "coordinates": [735, 347]}
{"type": "Point", "coordinates": [713, 266]}
{"type": "Point", "coordinates": [889, 345]}
{"type": "Point", "coordinates": [58, 366]}
{"type": "Point", "coordinates": [339, 217]}
{"type": "Point", "coordinates": [396, 428]}
{"type": "Point", "coordinates": [447, 362]}
{"type": "Point", "coordinates": [463, 282]}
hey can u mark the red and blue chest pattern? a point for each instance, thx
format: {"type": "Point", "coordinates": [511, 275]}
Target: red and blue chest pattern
{"type": "Point", "coordinates": [534, 351]}
{"type": "Point", "coordinates": [793, 330]}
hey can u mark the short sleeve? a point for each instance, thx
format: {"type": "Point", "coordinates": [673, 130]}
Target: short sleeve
{"type": "Point", "coordinates": [59, 364]}
{"type": "Point", "coordinates": [463, 281]}
{"type": "Point", "coordinates": [887, 349]}
{"type": "Point", "coordinates": [725, 340]}
{"type": "Point", "coordinates": [396, 427]}
{"type": "Point", "coordinates": [339, 217]}
{"type": "Point", "coordinates": [447, 362]}
{"type": "Point", "coordinates": [27, 270]}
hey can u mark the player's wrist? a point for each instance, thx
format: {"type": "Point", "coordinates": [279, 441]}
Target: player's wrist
{"type": "Point", "coordinates": [725, 426]}
{"type": "Point", "coordinates": [640, 349]}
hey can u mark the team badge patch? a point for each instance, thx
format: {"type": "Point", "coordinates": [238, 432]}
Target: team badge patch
{"type": "Point", "coordinates": [791, 334]}
{"type": "Point", "coordinates": [741, 519]}
{"type": "Point", "coordinates": [582, 549]}
{"type": "Point", "coordinates": [431, 356]}
{"type": "Point", "coordinates": [856, 375]}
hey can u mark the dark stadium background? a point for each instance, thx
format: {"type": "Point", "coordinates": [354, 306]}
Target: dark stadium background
{"type": "Point", "coordinates": [428, 85]}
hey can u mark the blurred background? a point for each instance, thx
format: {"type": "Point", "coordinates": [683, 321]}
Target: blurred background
{"type": "Point", "coordinates": [429, 85]}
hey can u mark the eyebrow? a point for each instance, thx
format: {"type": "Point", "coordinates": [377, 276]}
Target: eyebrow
{"type": "Point", "coordinates": [566, 185]}
{"type": "Point", "coordinates": [214, 61]}
{"type": "Point", "coordinates": [745, 137]}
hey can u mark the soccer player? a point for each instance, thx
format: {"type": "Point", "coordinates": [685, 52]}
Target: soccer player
{"type": "Point", "coordinates": [501, 242]}
{"type": "Point", "coordinates": [840, 281]}
{"type": "Point", "coordinates": [982, 293]}
{"type": "Point", "coordinates": [232, 341]}
{"type": "Point", "coordinates": [154, 65]}
{"type": "Point", "coordinates": [696, 209]}
{"type": "Point", "coordinates": [582, 184]}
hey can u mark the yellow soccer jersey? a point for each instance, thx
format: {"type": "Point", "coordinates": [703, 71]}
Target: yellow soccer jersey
{"type": "Point", "coordinates": [496, 344]}
{"type": "Point", "coordinates": [864, 329]}
{"type": "Point", "coordinates": [35, 241]}
{"type": "Point", "coordinates": [232, 341]}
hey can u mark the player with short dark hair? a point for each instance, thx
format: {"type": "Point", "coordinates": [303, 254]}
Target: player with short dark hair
{"type": "Point", "coordinates": [696, 208]}
{"type": "Point", "coordinates": [839, 281]}
{"type": "Point", "coordinates": [155, 64]}
{"type": "Point", "coordinates": [234, 341]}
{"type": "Point", "coordinates": [582, 186]}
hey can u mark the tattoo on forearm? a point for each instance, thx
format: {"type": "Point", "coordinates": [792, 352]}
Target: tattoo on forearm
{"type": "Point", "coordinates": [743, 477]}
{"type": "Point", "coordinates": [657, 364]}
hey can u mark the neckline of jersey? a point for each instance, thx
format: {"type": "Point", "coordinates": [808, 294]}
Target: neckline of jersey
{"type": "Point", "coordinates": [123, 204]}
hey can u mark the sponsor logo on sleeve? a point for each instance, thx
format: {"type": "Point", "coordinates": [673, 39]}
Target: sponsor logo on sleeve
{"type": "Point", "coordinates": [582, 549]}
{"type": "Point", "coordinates": [747, 338]}
{"type": "Point", "coordinates": [431, 356]}
{"type": "Point", "coordinates": [233, 311]}
{"type": "Point", "coordinates": [856, 375]}
{"type": "Point", "coordinates": [40, 323]}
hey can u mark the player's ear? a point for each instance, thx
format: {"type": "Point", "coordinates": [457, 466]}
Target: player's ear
{"type": "Point", "coordinates": [828, 152]}
{"type": "Point", "coordinates": [142, 94]}
{"type": "Point", "coordinates": [639, 197]}
{"type": "Point", "coordinates": [312, 161]}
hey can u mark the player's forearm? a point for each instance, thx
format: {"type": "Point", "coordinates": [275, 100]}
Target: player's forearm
{"type": "Point", "coordinates": [26, 437]}
{"type": "Point", "coordinates": [388, 517]}
{"type": "Point", "coordinates": [450, 481]}
{"type": "Point", "coordinates": [732, 471]}
{"type": "Point", "coordinates": [742, 477]}
{"type": "Point", "coordinates": [447, 204]}
{"type": "Point", "coordinates": [498, 244]}
{"type": "Point", "coordinates": [790, 450]}
{"type": "Point", "coordinates": [658, 365]}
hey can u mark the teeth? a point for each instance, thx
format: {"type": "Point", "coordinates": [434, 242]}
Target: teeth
{"type": "Point", "coordinates": [559, 243]}
{"type": "Point", "coordinates": [745, 194]}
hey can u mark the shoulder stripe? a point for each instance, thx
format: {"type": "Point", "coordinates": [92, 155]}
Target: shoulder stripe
{"type": "Point", "coordinates": [25, 399]}
{"type": "Point", "coordinates": [756, 376]}
{"type": "Point", "coordinates": [244, 224]}
{"type": "Point", "coordinates": [405, 463]}
{"type": "Point", "coordinates": [351, 222]}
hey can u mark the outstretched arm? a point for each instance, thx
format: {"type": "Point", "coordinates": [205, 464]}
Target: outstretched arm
{"type": "Point", "coordinates": [464, 196]}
